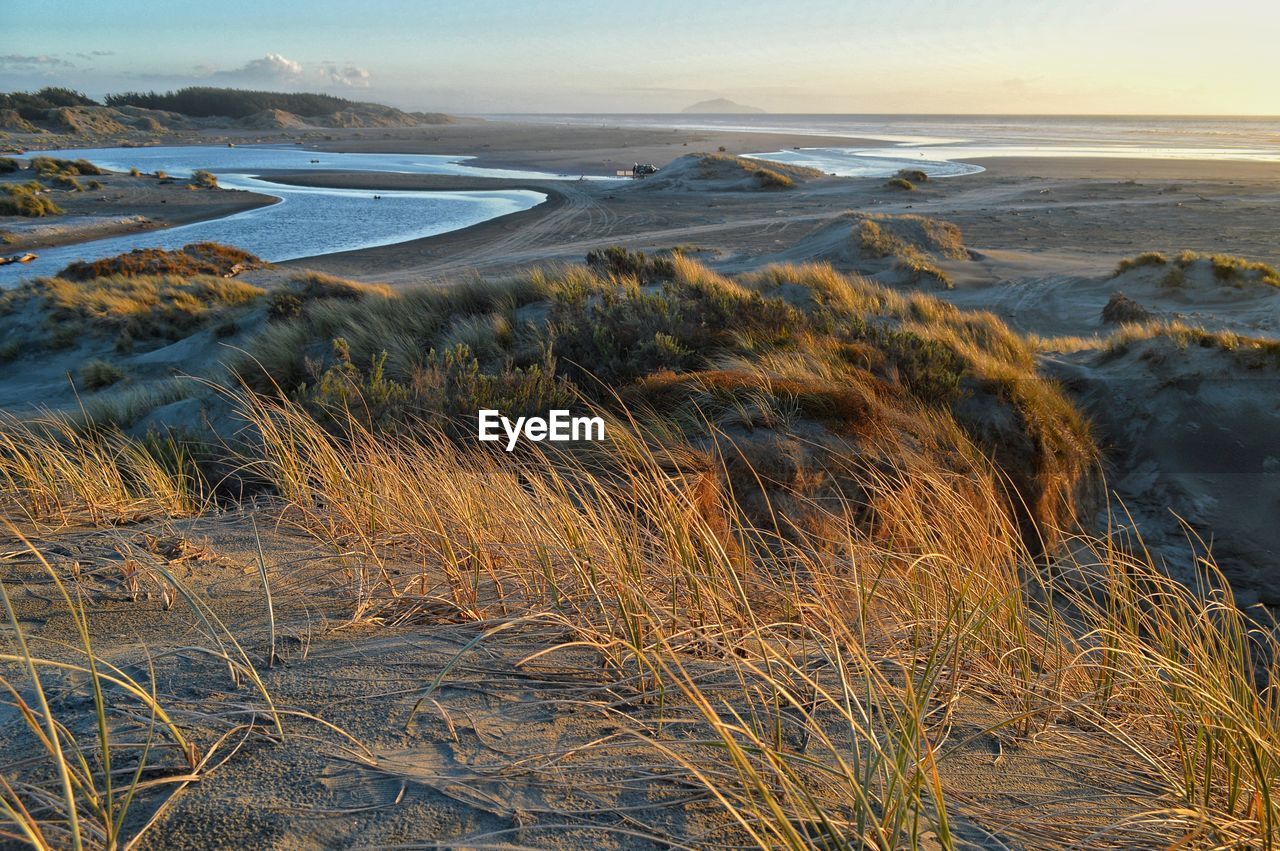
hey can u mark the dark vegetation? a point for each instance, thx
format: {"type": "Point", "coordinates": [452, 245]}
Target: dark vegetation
{"type": "Point", "coordinates": [65, 111]}
{"type": "Point", "coordinates": [1120, 309]}
{"type": "Point", "coordinates": [33, 104]}
{"type": "Point", "coordinates": [97, 374]}
{"type": "Point", "coordinates": [207, 101]}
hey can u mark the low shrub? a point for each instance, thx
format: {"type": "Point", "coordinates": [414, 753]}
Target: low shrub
{"type": "Point", "coordinates": [918, 267]}
{"type": "Point", "coordinates": [901, 183]}
{"type": "Point", "coordinates": [204, 179]}
{"type": "Point", "coordinates": [312, 285]}
{"type": "Point", "coordinates": [67, 181]}
{"type": "Point", "coordinates": [27, 199]}
{"type": "Point", "coordinates": [282, 305]}
{"type": "Point", "coordinates": [621, 263]}
{"type": "Point", "coordinates": [97, 374]}
{"type": "Point", "coordinates": [128, 308]}
{"type": "Point", "coordinates": [201, 258]}
{"type": "Point", "coordinates": [770, 179]}
{"type": "Point", "coordinates": [1146, 258]}
{"type": "Point", "coordinates": [1120, 308]}
{"type": "Point", "coordinates": [52, 166]}
{"type": "Point", "coordinates": [8, 165]}
{"type": "Point", "coordinates": [875, 240]}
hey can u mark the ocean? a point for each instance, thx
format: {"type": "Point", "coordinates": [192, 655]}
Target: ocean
{"type": "Point", "coordinates": [955, 137]}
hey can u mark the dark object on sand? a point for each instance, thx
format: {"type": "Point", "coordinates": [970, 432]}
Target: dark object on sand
{"type": "Point", "coordinates": [643, 169]}
{"type": "Point", "coordinates": [1120, 308]}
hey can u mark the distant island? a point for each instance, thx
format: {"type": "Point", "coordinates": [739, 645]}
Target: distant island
{"type": "Point", "coordinates": [720, 105]}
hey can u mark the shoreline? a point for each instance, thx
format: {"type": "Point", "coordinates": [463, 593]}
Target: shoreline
{"type": "Point", "coordinates": [565, 148]}
{"type": "Point", "coordinates": [126, 204]}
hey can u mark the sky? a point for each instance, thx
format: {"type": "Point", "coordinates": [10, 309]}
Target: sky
{"type": "Point", "coordinates": [802, 56]}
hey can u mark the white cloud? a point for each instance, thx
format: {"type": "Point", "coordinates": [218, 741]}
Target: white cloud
{"type": "Point", "coordinates": [276, 70]}
{"type": "Point", "coordinates": [347, 75]}
{"type": "Point", "coordinates": [272, 68]}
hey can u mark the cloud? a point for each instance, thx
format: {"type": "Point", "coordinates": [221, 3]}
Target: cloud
{"type": "Point", "coordinates": [16, 62]}
{"type": "Point", "coordinates": [272, 68]}
{"type": "Point", "coordinates": [347, 75]}
{"type": "Point", "coordinates": [277, 70]}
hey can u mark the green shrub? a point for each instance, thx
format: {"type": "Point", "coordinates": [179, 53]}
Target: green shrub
{"type": "Point", "coordinates": [204, 179]}
{"type": "Point", "coordinates": [770, 179]}
{"type": "Point", "coordinates": [206, 101]}
{"type": "Point", "coordinates": [27, 199]}
{"type": "Point", "coordinates": [8, 165]}
{"type": "Point", "coordinates": [1146, 258]}
{"type": "Point", "coordinates": [621, 263]}
{"type": "Point", "coordinates": [126, 308]}
{"type": "Point", "coordinates": [912, 175]}
{"type": "Point", "coordinates": [282, 305]}
{"type": "Point", "coordinates": [67, 181]}
{"type": "Point", "coordinates": [50, 97]}
{"type": "Point", "coordinates": [97, 374]}
{"type": "Point", "coordinates": [901, 183]}
{"type": "Point", "coordinates": [52, 166]}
